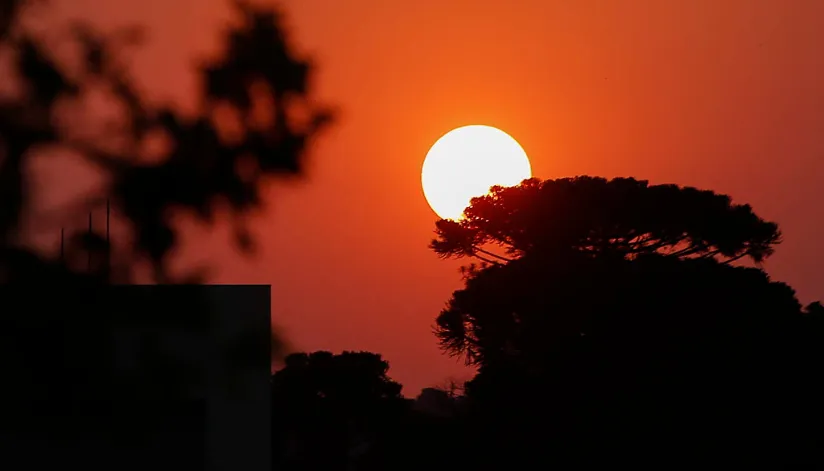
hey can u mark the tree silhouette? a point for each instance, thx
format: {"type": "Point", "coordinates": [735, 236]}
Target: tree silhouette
{"type": "Point", "coordinates": [582, 223]}
{"type": "Point", "coordinates": [245, 131]}
{"type": "Point", "coordinates": [815, 310]}
{"type": "Point", "coordinates": [609, 314]}
{"type": "Point", "coordinates": [331, 410]}
{"type": "Point", "coordinates": [623, 217]}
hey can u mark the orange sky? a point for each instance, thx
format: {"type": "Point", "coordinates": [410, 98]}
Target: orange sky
{"type": "Point", "coordinates": [724, 95]}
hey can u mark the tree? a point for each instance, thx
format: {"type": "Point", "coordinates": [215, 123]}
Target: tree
{"type": "Point", "coordinates": [613, 311]}
{"type": "Point", "coordinates": [243, 133]}
{"type": "Point", "coordinates": [331, 409]}
{"type": "Point", "coordinates": [623, 217]}
{"type": "Point", "coordinates": [565, 225]}
{"type": "Point", "coordinates": [815, 309]}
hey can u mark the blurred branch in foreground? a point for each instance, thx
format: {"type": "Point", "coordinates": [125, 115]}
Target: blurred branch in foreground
{"type": "Point", "coordinates": [254, 121]}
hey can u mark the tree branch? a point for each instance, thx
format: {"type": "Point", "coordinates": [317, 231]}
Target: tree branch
{"type": "Point", "coordinates": [500, 257]}
{"type": "Point", "coordinates": [484, 259]}
{"type": "Point", "coordinates": [737, 257]}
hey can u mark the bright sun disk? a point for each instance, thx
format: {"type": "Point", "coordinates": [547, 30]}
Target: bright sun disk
{"type": "Point", "coordinates": [466, 162]}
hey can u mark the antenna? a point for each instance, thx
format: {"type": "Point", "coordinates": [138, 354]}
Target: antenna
{"type": "Point", "coordinates": [90, 250]}
{"type": "Point", "coordinates": [108, 245]}
{"type": "Point", "coordinates": [90, 232]}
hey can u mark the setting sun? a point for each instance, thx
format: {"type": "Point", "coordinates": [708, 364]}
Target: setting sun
{"type": "Point", "coordinates": [466, 162]}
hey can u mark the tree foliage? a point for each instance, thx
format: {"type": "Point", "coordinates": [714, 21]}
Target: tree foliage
{"type": "Point", "coordinates": [608, 302]}
{"type": "Point", "coordinates": [347, 378]}
{"type": "Point", "coordinates": [245, 130]}
{"type": "Point", "coordinates": [329, 409]}
{"type": "Point", "coordinates": [571, 243]}
{"type": "Point", "coordinates": [623, 217]}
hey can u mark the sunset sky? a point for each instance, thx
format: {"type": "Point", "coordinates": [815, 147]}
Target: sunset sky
{"type": "Point", "coordinates": [726, 95]}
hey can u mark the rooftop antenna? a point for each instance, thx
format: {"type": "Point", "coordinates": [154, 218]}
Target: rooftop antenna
{"type": "Point", "coordinates": [108, 246]}
{"type": "Point", "coordinates": [90, 250]}
{"type": "Point", "coordinates": [91, 228]}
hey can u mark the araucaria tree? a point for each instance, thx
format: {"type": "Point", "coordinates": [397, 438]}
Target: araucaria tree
{"type": "Point", "coordinates": [598, 301]}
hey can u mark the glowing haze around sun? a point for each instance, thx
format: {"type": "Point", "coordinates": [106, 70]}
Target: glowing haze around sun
{"type": "Point", "coordinates": [466, 162]}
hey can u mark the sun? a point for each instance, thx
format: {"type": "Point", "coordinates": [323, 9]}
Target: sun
{"type": "Point", "coordinates": [466, 162]}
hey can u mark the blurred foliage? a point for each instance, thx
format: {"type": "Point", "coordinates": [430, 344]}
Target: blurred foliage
{"type": "Point", "coordinates": [255, 119]}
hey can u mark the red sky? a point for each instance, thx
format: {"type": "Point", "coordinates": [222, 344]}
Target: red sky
{"type": "Point", "coordinates": [725, 95]}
